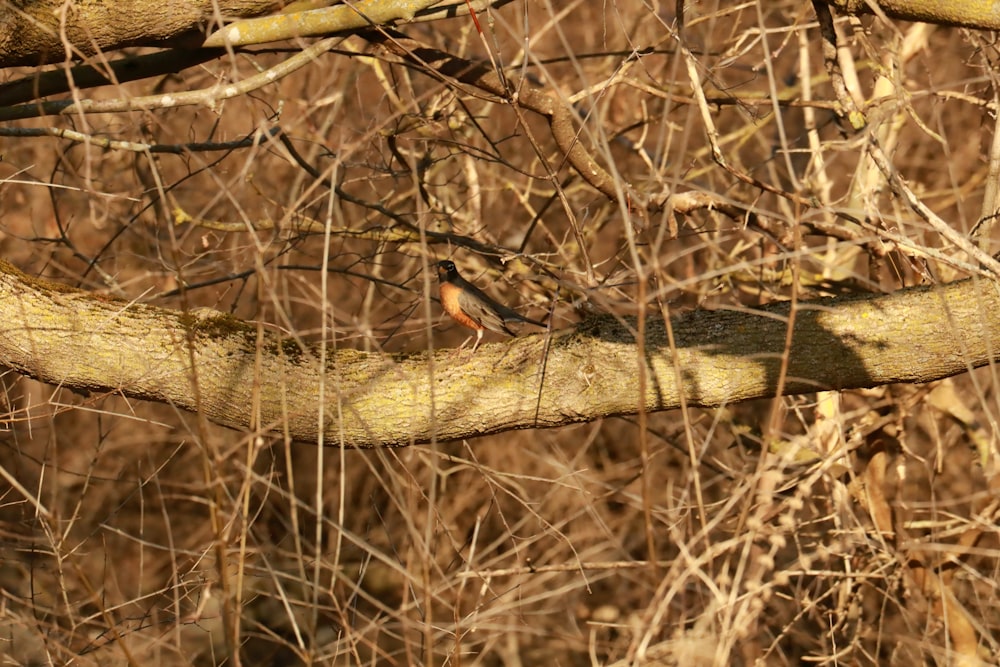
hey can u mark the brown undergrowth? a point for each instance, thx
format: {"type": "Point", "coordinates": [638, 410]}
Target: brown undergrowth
{"type": "Point", "coordinates": [854, 528]}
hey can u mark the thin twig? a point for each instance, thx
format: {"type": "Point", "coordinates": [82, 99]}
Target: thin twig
{"type": "Point", "coordinates": [207, 96]}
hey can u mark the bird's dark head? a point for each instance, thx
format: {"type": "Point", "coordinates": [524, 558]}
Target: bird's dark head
{"type": "Point", "coordinates": [446, 270]}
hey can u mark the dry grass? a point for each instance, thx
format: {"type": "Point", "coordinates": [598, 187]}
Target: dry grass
{"type": "Point", "coordinates": [675, 539]}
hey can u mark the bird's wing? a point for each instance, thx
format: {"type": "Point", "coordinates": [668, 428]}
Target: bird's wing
{"type": "Point", "coordinates": [485, 310]}
{"type": "Point", "coordinates": [508, 315]}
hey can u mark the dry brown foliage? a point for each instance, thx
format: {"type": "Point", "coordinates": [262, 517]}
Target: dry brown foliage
{"type": "Point", "coordinates": [853, 528]}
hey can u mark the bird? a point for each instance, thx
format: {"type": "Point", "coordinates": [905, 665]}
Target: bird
{"type": "Point", "coordinates": [467, 305]}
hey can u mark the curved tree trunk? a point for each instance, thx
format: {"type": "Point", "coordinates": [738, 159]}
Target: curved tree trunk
{"type": "Point", "coordinates": [76, 340]}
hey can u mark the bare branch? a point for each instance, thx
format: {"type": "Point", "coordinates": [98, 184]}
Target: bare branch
{"type": "Point", "coordinates": [206, 96]}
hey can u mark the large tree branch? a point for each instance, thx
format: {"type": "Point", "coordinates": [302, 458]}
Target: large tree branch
{"type": "Point", "coordinates": [977, 15]}
{"type": "Point", "coordinates": [47, 31]}
{"type": "Point", "coordinates": [44, 31]}
{"type": "Point", "coordinates": [73, 339]}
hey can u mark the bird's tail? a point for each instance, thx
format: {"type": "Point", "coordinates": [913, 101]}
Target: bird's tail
{"type": "Point", "coordinates": [528, 320]}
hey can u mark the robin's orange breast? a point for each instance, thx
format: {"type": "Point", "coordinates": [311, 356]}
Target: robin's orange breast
{"type": "Point", "coordinates": [450, 303]}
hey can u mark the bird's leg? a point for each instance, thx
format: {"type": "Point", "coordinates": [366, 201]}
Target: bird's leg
{"type": "Point", "coordinates": [458, 350]}
{"type": "Point", "coordinates": [479, 337]}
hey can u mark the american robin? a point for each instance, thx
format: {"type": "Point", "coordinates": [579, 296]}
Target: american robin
{"type": "Point", "coordinates": [468, 306]}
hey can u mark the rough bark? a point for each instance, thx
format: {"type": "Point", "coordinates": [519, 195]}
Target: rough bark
{"type": "Point", "coordinates": [33, 32]}
{"type": "Point", "coordinates": [976, 14]}
{"type": "Point", "coordinates": [73, 339]}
